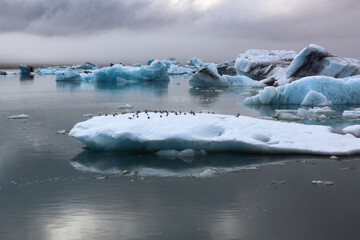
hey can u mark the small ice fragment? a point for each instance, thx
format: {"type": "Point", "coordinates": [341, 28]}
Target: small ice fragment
{"type": "Point", "coordinates": [208, 173]}
{"type": "Point", "coordinates": [334, 157]}
{"type": "Point", "coordinates": [88, 115]}
{"type": "Point", "coordinates": [21, 116]}
{"type": "Point", "coordinates": [127, 106]}
{"type": "Point", "coordinates": [323, 183]}
{"type": "Point", "coordinates": [62, 132]}
{"type": "Point", "coordinates": [100, 177]}
{"type": "Point", "coordinates": [278, 182]}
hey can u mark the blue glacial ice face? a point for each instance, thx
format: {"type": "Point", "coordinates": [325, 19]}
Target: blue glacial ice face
{"type": "Point", "coordinates": [316, 90]}
{"type": "Point", "coordinates": [25, 69]}
{"type": "Point", "coordinates": [156, 71]}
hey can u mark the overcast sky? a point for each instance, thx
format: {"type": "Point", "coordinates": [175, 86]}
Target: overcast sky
{"type": "Point", "coordinates": [128, 31]}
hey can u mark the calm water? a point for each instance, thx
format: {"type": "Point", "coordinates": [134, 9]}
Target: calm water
{"type": "Point", "coordinates": [52, 188]}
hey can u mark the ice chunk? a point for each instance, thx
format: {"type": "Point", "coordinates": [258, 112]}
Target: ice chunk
{"type": "Point", "coordinates": [209, 77]}
{"type": "Point", "coordinates": [68, 75]}
{"type": "Point", "coordinates": [25, 69]}
{"type": "Point", "coordinates": [323, 183]}
{"type": "Point", "coordinates": [45, 70]}
{"type": "Point", "coordinates": [149, 132]}
{"type": "Point", "coordinates": [353, 130]}
{"type": "Point", "coordinates": [198, 63]}
{"type": "Point", "coordinates": [86, 66]}
{"type": "Point", "coordinates": [21, 116]}
{"type": "Point", "coordinates": [127, 106]}
{"type": "Point", "coordinates": [315, 60]}
{"type": "Point", "coordinates": [314, 98]}
{"type": "Point", "coordinates": [154, 72]}
{"type": "Point", "coordinates": [352, 113]}
{"type": "Point", "coordinates": [336, 91]}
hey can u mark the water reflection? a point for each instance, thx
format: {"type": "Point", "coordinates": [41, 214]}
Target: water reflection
{"type": "Point", "coordinates": [152, 165]}
{"type": "Point", "coordinates": [68, 85]}
{"type": "Point", "coordinates": [26, 77]}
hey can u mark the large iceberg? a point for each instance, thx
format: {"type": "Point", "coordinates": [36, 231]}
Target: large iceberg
{"type": "Point", "coordinates": [45, 70]}
{"type": "Point", "coordinates": [25, 70]}
{"type": "Point", "coordinates": [155, 71]}
{"type": "Point", "coordinates": [260, 64]}
{"type": "Point", "coordinates": [209, 77]}
{"type": "Point", "coordinates": [153, 132]}
{"type": "Point", "coordinates": [315, 60]}
{"type": "Point", "coordinates": [315, 91]}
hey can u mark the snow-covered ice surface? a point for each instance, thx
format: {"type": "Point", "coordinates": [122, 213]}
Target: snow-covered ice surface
{"type": "Point", "coordinates": [210, 77]}
{"type": "Point", "coordinates": [154, 72]}
{"type": "Point", "coordinates": [315, 90]}
{"type": "Point", "coordinates": [353, 130]}
{"type": "Point", "coordinates": [154, 132]}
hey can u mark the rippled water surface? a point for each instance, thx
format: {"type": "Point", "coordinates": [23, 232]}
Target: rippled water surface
{"type": "Point", "coordinates": [52, 188]}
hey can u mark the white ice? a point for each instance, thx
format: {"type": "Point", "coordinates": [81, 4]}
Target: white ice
{"type": "Point", "coordinates": [21, 116]}
{"type": "Point", "coordinates": [315, 90]}
{"type": "Point", "coordinates": [212, 133]}
{"type": "Point", "coordinates": [353, 130]}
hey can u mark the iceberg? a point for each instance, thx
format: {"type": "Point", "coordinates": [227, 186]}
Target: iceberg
{"type": "Point", "coordinates": [316, 90]}
{"type": "Point", "coordinates": [45, 70]}
{"type": "Point", "coordinates": [315, 60]}
{"type": "Point", "coordinates": [156, 71]}
{"type": "Point", "coordinates": [259, 64]}
{"type": "Point", "coordinates": [68, 75]}
{"type": "Point", "coordinates": [197, 63]}
{"type": "Point", "coordinates": [352, 114]}
{"type": "Point", "coordinates": [26, 70]}
{"type": "Point", "coordinates": [86, 66]}
{"type": "Point", "coordinates": [154, 132]}
{"type": "Point", "coordinates": [87, 76]}
{"type": "Point", "coordinates": [209, 77]}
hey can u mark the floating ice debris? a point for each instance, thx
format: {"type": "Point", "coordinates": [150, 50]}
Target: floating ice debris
{"type": "Point", "coordinates": [352, 114]}
{"type": "Point", "coordinates": [334, 157]}
{"type": "Point", "coordinates": [154, 72]}
{"type": "Point", "coordinates": [196, 62]}
{"type": "Point", "coordinates": [68, 75]}
{"type": "Point", "coordinates": [278, 182]}
{"type": "Point", "coordinates": [210, 132]}
{"type": "Point", "coordinates": [127, 106]}
{"type": "Point", "coordinates": [316, 113]}
{"type": "Point", "coordinates": [62, 132]}
{"type": "Point", "coordinates": [208, 173]}
{"type": "Point", "coordinates": [323, 183]}
{"type": "Point", "coordinates": [353, 130]}
{"type": "Point", "coordinates": [21, 116]}
{"type": "Point", "coordinates": [88, 115]}
{"type": "Point", "coordinates": [5, 73]}
{"type": "Point", "coordinates": [100, 177]}
{"type": "Point", "coordinates": [45, 70]}
{"type": "Point", "coordinates": [209, 77]}
{"type": "Point", "coordinates": [311, 90]}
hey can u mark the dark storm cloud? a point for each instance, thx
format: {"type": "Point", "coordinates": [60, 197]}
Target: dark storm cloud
{"type": "Point", "coordinates": [81, 16]}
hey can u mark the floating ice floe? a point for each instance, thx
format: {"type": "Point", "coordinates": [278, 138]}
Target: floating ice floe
{"type": "Point", "coordinates": [316, 113]}
{"type": "Point", "coordinates": [322, 183]}
{"type": "Point", "coordinates": [5, 73]}
{"type": "Point", "coordinates": [352, 114]}
{"type": "Point", "coordinates": [311, 91]}
{"type": "Point", "coordinates": [209, 77]}
{"type": "Point", "coordinates": [68, 75]}
{"type": "Point", "coordinates": [152, 132]}
{"type": "Point", "coordinates": [21, 116]}
{"type": "Point", "coordinates": [353, 130]}
{"type": "Point", "coordinates": [45, 70]}
{"type": "Point", "coordinates": [154, 72]}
